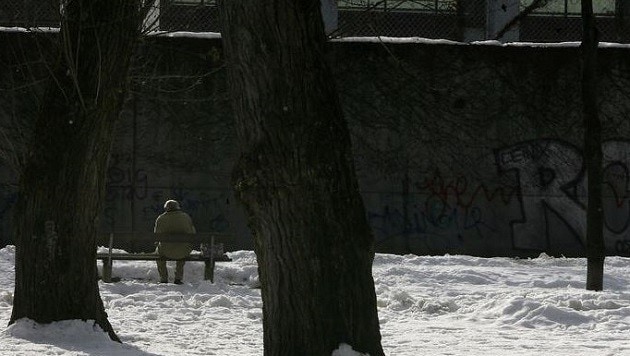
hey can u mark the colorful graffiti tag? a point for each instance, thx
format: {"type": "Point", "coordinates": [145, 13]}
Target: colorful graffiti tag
{"type": "Point", "coordinates": [540, 204]}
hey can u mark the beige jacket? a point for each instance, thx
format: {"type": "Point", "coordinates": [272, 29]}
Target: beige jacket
{"type": "Point", "coordinates": [175, 221]}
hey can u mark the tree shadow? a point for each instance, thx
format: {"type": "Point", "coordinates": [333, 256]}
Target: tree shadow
{"type": "Point", "coordinates": [72, 336]}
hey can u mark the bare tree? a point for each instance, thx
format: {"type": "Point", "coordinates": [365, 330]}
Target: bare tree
{"type": "Point", "coordinates": [595, 248]}
{"type": "Point", "coordinates": [62, 180]}
{"type": "Point", "coordinates": [592, 151]}
{"type": "Point", "coordinates": [622, 19]}
{"type": "Point", "coordinates": [297, 182]}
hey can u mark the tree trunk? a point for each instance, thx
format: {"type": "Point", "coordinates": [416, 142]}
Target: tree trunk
{"type": "Point", "coordinates": [296, 179]}
{"type": "Point", "coordinates": [63, 182]}
{"type": "Point", "coordinates": [592, 151]}
{"type": "Point", "coordinates": [622, 20]}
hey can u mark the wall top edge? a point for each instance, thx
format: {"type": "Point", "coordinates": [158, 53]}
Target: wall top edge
{"type": "Point", "coordinates": [374, 39]}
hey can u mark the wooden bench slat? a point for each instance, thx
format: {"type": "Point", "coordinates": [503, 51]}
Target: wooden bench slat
{"type": "Point", "coordinates": [153, 256]}
{"type": "Point", "coordinates": [111, 239]}
{"type": "Point", "coordinates": [204, 237]}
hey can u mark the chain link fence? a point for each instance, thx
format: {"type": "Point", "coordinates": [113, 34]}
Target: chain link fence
{"type": "Point", "coordinates": [458, 20]}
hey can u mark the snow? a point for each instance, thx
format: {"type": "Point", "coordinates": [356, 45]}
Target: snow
{"type": "Point", "coordinates": [29, 29]}
{"type": "Point", "coordinates": [185, 34]}
{"type": "Point", "coordinates": [397, 40]}
{"type": "Point", "coordinates": [360, 39]}
{"type": "Point", "coordinates": [434, 305]}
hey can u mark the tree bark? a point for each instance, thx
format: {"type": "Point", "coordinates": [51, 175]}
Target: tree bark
{"type": "Point", "coordinates": [296, 179]}
{"type": "Point", "coordinates": [592, 151]}
{"type": "Point", "coordinates": [62, 184]}
{"type": "Point", "coordinates": [622, 20]}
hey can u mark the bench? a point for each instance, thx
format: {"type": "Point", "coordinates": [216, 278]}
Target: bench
{"type": "Point", "coordinates": [212, 252]}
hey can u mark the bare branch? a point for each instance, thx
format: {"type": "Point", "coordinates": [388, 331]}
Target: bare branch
{"type": "Point", "coordinates": [536, 4]}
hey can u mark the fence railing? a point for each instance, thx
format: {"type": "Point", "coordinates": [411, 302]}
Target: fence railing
{"type": "Point", "coordinates": [459, 20]}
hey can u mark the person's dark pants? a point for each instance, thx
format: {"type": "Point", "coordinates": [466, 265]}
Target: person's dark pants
{"type": "Point", "coordinates": [163, 271]}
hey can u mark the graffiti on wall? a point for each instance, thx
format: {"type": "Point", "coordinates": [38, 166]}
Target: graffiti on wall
{"type": "Point", "coordinates": [441, 211]}
{"type": "Point", "coordinates": [132, 203]}
{"type": "Point", "coordinates": [429, 219]}
{"type": "Point", "coordinates": [549, 174]}
{"type": "Point", "coordinates": [552, 185]}
{"type": "Point", "coordinates": [135, 196]}
{"type": "Point", "coordinates": [125, 183]}
{"type": "Point", "coordinates": [536, 201]}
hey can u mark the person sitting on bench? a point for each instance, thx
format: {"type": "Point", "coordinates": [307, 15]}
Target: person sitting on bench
{"type": "Point", "coordinates": [174, 221]}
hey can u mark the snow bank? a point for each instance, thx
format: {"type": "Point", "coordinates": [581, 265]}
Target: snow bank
{"type": "Point", "coordinates": [434, 305]}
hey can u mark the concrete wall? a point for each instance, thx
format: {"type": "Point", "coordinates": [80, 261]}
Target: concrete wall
{"type": "Point", "coordinates": [466, 149]}
{"type": "Point", "coordinates": [476, 149]}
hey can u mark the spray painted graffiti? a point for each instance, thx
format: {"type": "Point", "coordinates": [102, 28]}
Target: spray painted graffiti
{"type": "Point", "coordinates": [537, 200]}
{"type": "Point", "coordinates": [461, 191]}
{"type": "Point", "coordinates": [133, 202]}
{"type": "Point", "coordinates": [441, 211]}
{"type": "Point", "coordinates": [549, 173]}
{"type": "Point", "coordinates": [552, 185]}
{"type": "Point", "coordinates": [430, 217]}
{"type": "Point", "coordinates": [125, 183]}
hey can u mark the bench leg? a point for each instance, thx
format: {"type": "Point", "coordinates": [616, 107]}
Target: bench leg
{"type": "Point", "coordinates": [107, 270]}
{"type": "Point", "coordinates": [208, 273]}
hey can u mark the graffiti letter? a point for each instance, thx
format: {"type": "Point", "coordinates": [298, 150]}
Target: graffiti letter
{"type": "Point", "coordinates": [548, 173]}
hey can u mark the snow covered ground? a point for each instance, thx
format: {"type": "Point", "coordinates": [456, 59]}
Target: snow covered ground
{"type": "Point", "coordinates": [447, 305]}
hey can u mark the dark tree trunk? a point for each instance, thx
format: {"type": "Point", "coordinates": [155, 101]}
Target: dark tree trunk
{"type": "Point", "coordinates": [297, 182]}
{"type": "Point", "coordinates": [592, 151]}
{"type": "Point", "coordinates": [62, 183]}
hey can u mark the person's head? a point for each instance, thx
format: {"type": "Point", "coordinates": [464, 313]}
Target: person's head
{"type": "Point", "coordinates": [171, 205]}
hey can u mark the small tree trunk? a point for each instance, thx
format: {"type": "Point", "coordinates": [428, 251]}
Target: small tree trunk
{"type": "Point", "coordinates": [297, 182]}
{"type": "Point", "coordinates": [63, 182]}
{"type": "Point", "coordinates": [592, 152]}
